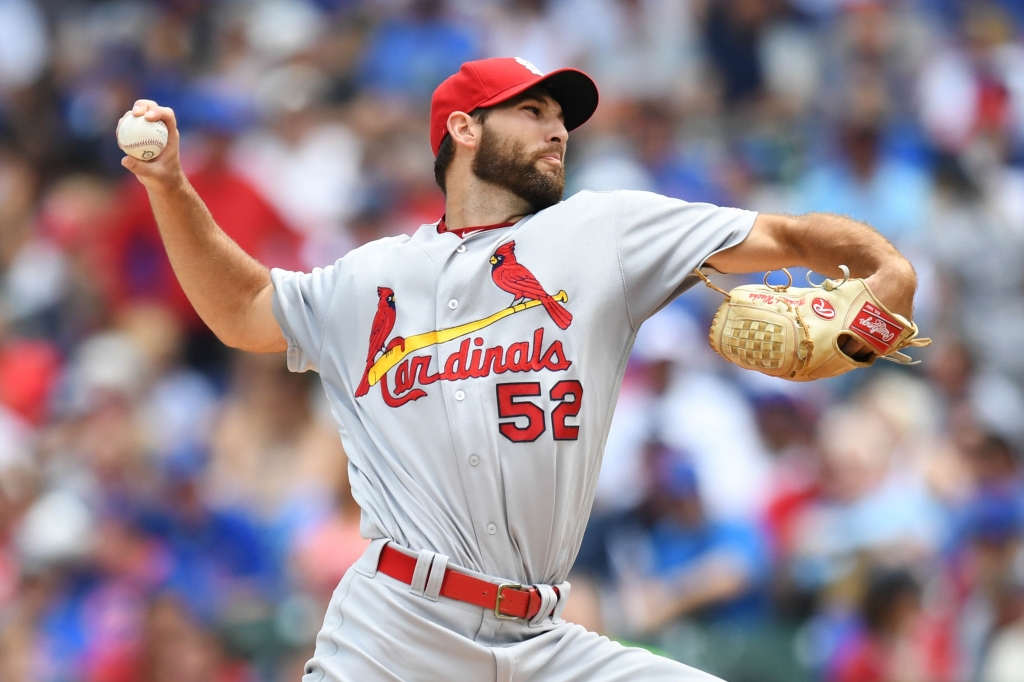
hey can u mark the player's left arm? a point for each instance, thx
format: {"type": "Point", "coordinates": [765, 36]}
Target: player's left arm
{"type": "Point", "coordinates": [822, 242]}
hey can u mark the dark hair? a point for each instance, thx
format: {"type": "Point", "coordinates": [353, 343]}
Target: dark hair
{"type": "Point", "coordinates": [993, 445]}
{"type": "Point", "coordinates": [446, 152]}
{"type": "Point", "coordinates": [885, 587]}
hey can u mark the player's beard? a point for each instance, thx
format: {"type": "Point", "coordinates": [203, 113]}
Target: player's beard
{"type": "Point", "coordinates": [504, 162]}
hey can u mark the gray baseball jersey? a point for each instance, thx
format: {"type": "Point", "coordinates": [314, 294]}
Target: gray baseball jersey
{"type": "Point", "coordinates": [473, 377]}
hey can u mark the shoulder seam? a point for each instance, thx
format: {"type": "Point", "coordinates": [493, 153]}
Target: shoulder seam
{"type": "Point", "coordinates": [618, 260]}
{"type": "Point", "coordinates": [327, 315]}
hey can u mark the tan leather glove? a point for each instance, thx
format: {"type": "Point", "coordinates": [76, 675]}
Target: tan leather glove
{"type": "Point", "coordinates": [796, 333]}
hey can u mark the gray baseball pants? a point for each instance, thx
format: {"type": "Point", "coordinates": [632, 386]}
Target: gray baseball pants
{"type": "Point", "coordinates": [377, 628]}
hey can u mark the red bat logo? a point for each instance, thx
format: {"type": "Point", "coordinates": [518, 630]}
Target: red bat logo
{"type": "Point", "coordinates": [383, 323]}
{"type": "Point", "coordinates": [513, 277]}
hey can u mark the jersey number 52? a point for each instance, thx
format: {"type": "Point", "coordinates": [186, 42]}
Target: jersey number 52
{"type": "Point", "coordinates": [513, 405]}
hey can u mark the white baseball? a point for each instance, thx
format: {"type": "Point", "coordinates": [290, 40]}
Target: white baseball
{"type": "Point", "coordinates": [141, 138]}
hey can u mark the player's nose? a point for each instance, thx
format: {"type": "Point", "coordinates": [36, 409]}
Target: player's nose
{"type": "Point", "coordinates": [557, 132]}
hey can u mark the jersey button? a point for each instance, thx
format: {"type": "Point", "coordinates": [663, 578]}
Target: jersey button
{"type": "Point", "coordinates": [491, 528]}
{"type": "Point", "coordinates": [461, 249]}
{"type": "Point", "coordinates": [473, 460]}
{"type": "Point", "coordinates": [453, 304]}
{"type": "Point", "coordinates": [460, 395]}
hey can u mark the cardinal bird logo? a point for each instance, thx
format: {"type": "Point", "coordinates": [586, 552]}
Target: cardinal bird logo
{"type": "Point", "coordinates": [383, 323]}
{"type": "Point", "coordinates": [513, 277]}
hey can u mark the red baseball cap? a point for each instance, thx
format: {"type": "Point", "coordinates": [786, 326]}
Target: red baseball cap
{"type": "Point", "coordinates": [487, 82]}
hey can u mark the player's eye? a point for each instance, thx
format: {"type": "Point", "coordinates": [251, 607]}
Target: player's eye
{"type": "Point", "coordinates": [534, 110]}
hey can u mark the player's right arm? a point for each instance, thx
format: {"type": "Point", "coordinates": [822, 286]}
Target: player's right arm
{"type": "Point", "coordinates": [230, 290]}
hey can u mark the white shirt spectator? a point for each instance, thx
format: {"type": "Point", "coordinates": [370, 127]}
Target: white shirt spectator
{"type": "Point", "coordinates": [24, 44]}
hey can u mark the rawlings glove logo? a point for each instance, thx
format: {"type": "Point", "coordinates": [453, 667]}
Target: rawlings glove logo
{"type": "Point", "coordinates": [823, 309]}
{"type": "Point", "coordinates": [875, 327]}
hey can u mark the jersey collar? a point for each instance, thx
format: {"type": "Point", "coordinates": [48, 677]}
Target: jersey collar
{"type": "Point", "coordinates": [464, 232]}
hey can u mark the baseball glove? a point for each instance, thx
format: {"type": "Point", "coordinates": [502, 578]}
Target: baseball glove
{"type": "Point", "coordinates": [795, 333]}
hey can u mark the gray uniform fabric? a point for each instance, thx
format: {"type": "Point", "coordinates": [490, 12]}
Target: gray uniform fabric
{"type": "Point", "coordinates": [376, 629]}
{"type": "Point", "coordinates": [446, 453]}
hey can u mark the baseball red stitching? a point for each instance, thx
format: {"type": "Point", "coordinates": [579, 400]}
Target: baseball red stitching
{"type": "Point", "coordinates": [159, 143]}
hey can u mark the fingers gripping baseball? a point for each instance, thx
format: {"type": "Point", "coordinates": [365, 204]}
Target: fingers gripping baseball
{"type": "Point", "coordinates": [149, 135]}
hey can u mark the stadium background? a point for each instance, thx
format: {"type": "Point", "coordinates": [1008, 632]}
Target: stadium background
{"type": "Point", "coordinates": [171, 510]}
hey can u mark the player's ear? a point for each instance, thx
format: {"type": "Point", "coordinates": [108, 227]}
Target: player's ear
{"type": "Point", "coordinates": [464, 129]}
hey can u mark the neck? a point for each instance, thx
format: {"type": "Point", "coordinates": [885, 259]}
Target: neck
{"type": "Point", "coordinates": [472, 202]}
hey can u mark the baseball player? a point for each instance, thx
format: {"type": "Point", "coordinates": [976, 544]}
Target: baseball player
{"type": "Point", "coordinates": [473, 368]}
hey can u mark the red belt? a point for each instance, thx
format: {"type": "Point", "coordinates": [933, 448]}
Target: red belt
{"type": "Point", "coordinates": [507, 600]}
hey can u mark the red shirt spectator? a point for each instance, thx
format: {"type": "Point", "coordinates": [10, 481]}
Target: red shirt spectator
{"type": "Point", "coordinates": [143, 269]}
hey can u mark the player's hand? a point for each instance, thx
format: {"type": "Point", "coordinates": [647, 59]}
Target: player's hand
{"type": "Point", "coordinates": [163, 172]}
{"type": "Point", "coordinates": [896, 291]}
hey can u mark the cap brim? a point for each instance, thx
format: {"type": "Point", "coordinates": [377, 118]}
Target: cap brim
{"type": "Point", "coordinates": [574, 91]}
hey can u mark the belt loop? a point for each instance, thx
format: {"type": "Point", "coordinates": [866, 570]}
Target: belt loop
{"type": "Point", "coordinates": [419, 575]}
{"type": "Point", "coordinates": [547, 601]}
{"type": "Point", "coordinates": [437, 568]}
{"type": "Point", "coordinates": [563, 598]}
{"type": "Point", "coordinates": [367, 564]}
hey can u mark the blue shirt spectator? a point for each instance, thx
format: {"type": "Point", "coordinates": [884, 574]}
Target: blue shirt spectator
{"type": "Point", "coordinates": [868, 184]}
{"type": "Point", "coordinates": [411, 55]}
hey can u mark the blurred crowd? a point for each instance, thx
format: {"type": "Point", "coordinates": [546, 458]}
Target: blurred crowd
{"type": "Point", "coordinates": [172, 510]}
